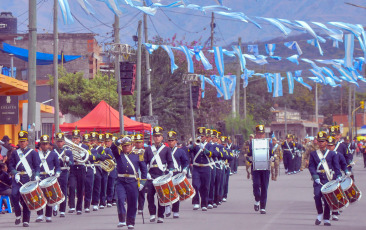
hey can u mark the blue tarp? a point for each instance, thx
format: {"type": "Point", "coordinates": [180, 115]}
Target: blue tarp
{"type": "Point", "coordinates": [42, 58]}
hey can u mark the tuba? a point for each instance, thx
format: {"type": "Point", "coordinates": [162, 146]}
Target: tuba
{"type": "Point", "coordinates": [80, 154]}
{"type": "Point", "coordinates": [108, 165]}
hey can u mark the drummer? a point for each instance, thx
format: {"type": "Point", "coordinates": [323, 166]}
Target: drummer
{"type": "Point", "coordinates": [260, 177]}
{"type": "Point", "coordinates": [50, 166]}
{"type": "Point", "coordinates": [127, 186]}
{"type": "Point", "coordinates": [66, 160]}
{"type": "Point", "coordinates": [322, 172]}
{"type": "Point", "coordinates": [24, 166]}
{"type": "Point", "coordinates": [180, 161]}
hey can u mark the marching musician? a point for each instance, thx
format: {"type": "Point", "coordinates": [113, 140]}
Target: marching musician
{"type": "Point", "coordinates": [139, 148]}
{"type": "Point", "coordinates": [212, 159]}
{"type": "Point", "coordinates": [288, 154]}
{"type": "Point", "coordinates": [229, 157]}
{"type": "Point", "coordinates": [50, 166]}
{"type": "Point", "coordinates": [158, 158]}
{"type": "Point", "coordinates": [106, 154]}
{"type": "Point", "coordinates": [24, 165]}
{"type": "Point", "coordinates": [91, 172]}
{"type": "Point", "coordinates": [99, 173]}
{"type": "Point", "coordinates": [77, 176]}
{"type": "Point", "coordinates": [323, 171]}
{"type": "Point", "coordinates": [66, 160]}
{"type": "Point", "coordinates": [260, 177]}
{"type": "Point", "coordinates": [277, 155]}
{"type": "Point", "coordinates": [202, 169]}
{"type": "Point", "coordinates": [128, 162]}
{"type": "Point", "coordinates": [219, 164]}
{"type": "Point", "coordinates": [111, 196]}
{"type": "Point", "coordinates": [180, 162]}
{"type": "Point", "coordinates": [342, 148]}
{"type": "Point", "coordinates": [233, 148]}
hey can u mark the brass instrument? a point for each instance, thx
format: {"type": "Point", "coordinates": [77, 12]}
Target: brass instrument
{"type": "Point", "coordinates": [79, 154]}
{"type": "Point", "coordinates": [198, 141]}
{"type": "Point", "coordinates": [108, 165]}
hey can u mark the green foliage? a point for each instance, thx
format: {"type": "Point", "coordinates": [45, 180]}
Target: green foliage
{"type": "Point", "coordinates": [78, 95]}
{"type": "Point", "coordinates": [235, 125]}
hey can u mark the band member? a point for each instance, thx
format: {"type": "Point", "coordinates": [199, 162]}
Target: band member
{"type": "Point", "coordinates": [111, 196]}
{"type": "Point", "coordinates": [202, 168]}
{"type": "Point", "coordinates": [229, 157]}
{"type": "Point", "coordinates": [277, 155]}
{"type": "Point", "coordinates": [180, 162]}
{"type": "Point", "coordinates": [128, 163]}
{"type": "Point", "coordinates": [323, 167]}
{"type": "Point", "coordinates": [209, 145]}
{"type": "Point", "coordinates": [91, 171]}
{"type": "Point", "coordinates": [66, 160]}
{"type": "Point", "coordinates": [341, 147]}
{"type": "Point", "coordinates": [24, 166]}
{"type": "Point", "coordinates": [260, 177]}
{"type": "Point", "coordinates": [77, 176]}
{"type": "Point", "coordinates": [233, 148]}
{"type": "Point", "coordinates": [288, 154]}
{"type": "Point", "coordinates": [219, 163]}
{"type": "Point", "coordinates": [50, 166]}
{"type": "Point", "coordinates": [106, 154]}
{"type": "Point", "coordinates": [139, 148]}
{"type": "Point", "coordinates": [248, 163]}
{"type": "Point", "coordinates": [158, 158]}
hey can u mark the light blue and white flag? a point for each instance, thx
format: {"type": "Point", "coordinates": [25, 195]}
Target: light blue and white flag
{"type": "Point", "coordinates": [201, 57]}
{"type": "Point", "coordinates": [306, 26]}
{"type": "Point", "coordinates": [269, 79]}
{"type": "Point", "coordinates": [331, 82]}
{"type": "Point", "coordinates": [217, 82]}
{"type": "Point", "coordinates": [311, 63]}
{"type": "Point", "coordinates": [168, 49]}
{"type": "Point", "coordinates": [349, 48]}
{"type": "Point", "coordinates": [219, 60]}
{"type": "Point", "coordinates": [247, 74]}
{"type": "Point", "coordinates": [270, 48]}
{"type": "Point", "coordinates": [253, 49]}
{"type": "Point", "coordinates": [113, 5]}
{"type": "Point", "coordinates": [65, 11]}
{"type": "Point", "coordinates": [277, 85]}
{"type": "Point", "coordinates": [260, 59]}
{"type": "Point", "coordinates": [292, 25]}
{"type": "Point", "coordinates": [150, 47]}
{"type": "Point", "coordinates": [318, 74]}
{"type": "Point", "coordinates": [293, 46]}
{"type": "Point", "coordinates": [290, 81]}
{"type": "Point", "coordinates": [293, 59]}
{"type": "Point", "coordinates": [241, 58]}
{"type": "Point", "coordinates": [346, 75]}
{"type": "Point", "coordinates": [335, 43]}
{"type": "Point", "coordinates": [286, 31]}
{"type": "Point", "coordinates": [330, 74]}
{"type": "Point", "coordinates": [347, 26]}
{"type": "Point", "coordinates": [299, 79]}
{"type": "Point", "coordinates": [86, 6]}
{"type": "Point", "coordinates": [335, 34]}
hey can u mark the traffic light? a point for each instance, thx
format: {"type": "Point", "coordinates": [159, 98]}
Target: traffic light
{"type": "Point", "coordinates": [127, 75]}
{"type": "Point", "coordinates": [362, 104]}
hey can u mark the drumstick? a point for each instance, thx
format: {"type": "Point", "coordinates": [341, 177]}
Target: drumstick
{"type": "Point", "coordinates": [143, 219]}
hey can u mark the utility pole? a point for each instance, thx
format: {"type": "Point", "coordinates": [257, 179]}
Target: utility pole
{"type": "Point", "coordinates": [285, 119]}
{"type": "Point", "coordinates": [138, 73]}
{"type": "Point", "coordinates": [148, 81]}
{"type": "Point", "coordinates": [316, 107]}
{"type": "Point", "coordinates": [350, 133]}
{"type": "Point", "coordinates": [32, 72]}
{"type": "Point", "coordinates": [245, 103]}
{"type": "Point", "coordinates": [212, 29]}
{"type": "Point", "coordinates": [117, 74]}
{"type": "Point", "coordinates": [354, 107]}
{"type": "Point", "coordinates": [233, 109]}
{"type": "Point", "coordinates": [192, 113]}
{"type": "Point", "coordinates": [55, 66]}
{"type": "Point", "coordinates": [237, 90]}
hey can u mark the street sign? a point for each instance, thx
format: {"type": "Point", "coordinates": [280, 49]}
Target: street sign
{"type": "Point", "coordinates": [9, 110]}
{"type": "Point", "coordinates": [152, 120]}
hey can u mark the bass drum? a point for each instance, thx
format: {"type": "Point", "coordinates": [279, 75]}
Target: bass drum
{"type": "Point", "coordinates": [33, 196]}
{"type": "Point", "coordinates": [334, 195]}
{"type": "Point", "coordinates": [184, 188]}
{"type": "Point", "coordinates": [351, 190]}
{"type": "Point", "coordinates": [52, 190]}
{"type": "Point", "coordinates": [165, 189]}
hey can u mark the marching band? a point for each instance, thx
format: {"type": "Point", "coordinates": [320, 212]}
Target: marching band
{"type": "Point", "coordinates": [101, 170]}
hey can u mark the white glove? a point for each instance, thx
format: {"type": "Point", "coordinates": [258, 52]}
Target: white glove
{"type": "Point", "coordinates": [38, 178]}
{"type": "Point", "coordinates": [275, 155]}
{"type": "Point", "coordinates": [202, 146]}
{"type": "Point", "coordinates": [272, 159]}
{"type": "Point", "coordinates": [339, 179]}
{"type": "Point", "coordinates": [57, 175]}
{"type": "Point", "coordinates": [170, 173]}
{"type": "Point", "coordinates": [352, 164]}
{"type": "Point", "coordinates": [317, 181]}
{"type": "Point", "coordinates": [17, 178]}
{"type": "Point", "coordinates": [348, 173]}
{"type": "Point", "coordinates": [184, 172]}
{"type": "Point", "coordinates": [148, 176]}
{"type": "Point", "coordinates": [67, 159]}
{"type": "Point", "coordinates": [141, 187]}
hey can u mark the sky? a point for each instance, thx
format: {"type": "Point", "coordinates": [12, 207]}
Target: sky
{"type": "Point", "coordinates": [190, 24]}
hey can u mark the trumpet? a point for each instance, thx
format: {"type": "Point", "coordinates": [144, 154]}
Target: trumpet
{"type": "Point", "coordinates": [108, 165]}
{"type": "Point", "coordinates": [198, 141]}
{"type": "Point", "coordinates": [80, 154]}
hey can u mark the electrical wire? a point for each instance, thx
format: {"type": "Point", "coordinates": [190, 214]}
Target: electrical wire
{"type": "Point", "coordinates": [193, 32]}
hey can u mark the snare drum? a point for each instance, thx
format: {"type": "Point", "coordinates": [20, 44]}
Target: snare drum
{"type": "Point", "coordinates": [183, 187]}
{"type": "Point", "coordinates": [52, 191]}
{"type": "Point", "coordinates": [33, 196]}
{"type": "Point", "coordinates": [166, 191]}
{"type": "Point", "coordinates": [334, 195]}
{"type": "Point", "coordinates": [351, 190]}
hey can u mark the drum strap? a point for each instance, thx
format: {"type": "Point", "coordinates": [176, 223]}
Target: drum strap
{"type": "Point", "coordinates": [176, 166]}
{"type": "Point", "coordinates": [24, 161]}
{"type": "Point", "coordinates": [288, 147]}
{"type": "Point", "coordinates": [157, 157]}
{"type": "Point", "coordinates": [59, 154]}
{"type": "Point", "coordinates": [335, 149]}
{"type": "Point", "coordinates": [132, 166]}
{"type": "Point", "coordinates": [44, 162]}
{"type": "Point", "coordinates": [229, 146]}
{"type": "Point", "coordinates": [324, 163]}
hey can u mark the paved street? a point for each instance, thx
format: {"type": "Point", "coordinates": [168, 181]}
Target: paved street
{"type": "Point", "coordinates": [290, 206]}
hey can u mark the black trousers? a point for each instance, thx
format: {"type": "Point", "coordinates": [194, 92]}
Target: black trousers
{"type": "Point", "coordinates": [76, 183]}
{"type": "Point", "coordinates": [63, 180]}
{"type": "Point", "coordinates": [260, 186]}
{"type": "Point", "coordinates": [151, 200]}
{"type": "Point", "coordinates": [97, 186]}
{"type": "Point", "coordinates": [16, 198]}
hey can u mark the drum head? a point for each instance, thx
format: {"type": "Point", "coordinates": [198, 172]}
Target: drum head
{"type": "Point", "coordinates": [28, 187]}
{"type": "Point", "coordinates": [47, 182]}
{"type": "Point", "coordinates": [346, 183]}
{"type": "Point", "coordinates": [178, 178]}
{"type": "Point", "coordinates": [161, 180]}
{"type": "Point", "coordinates": [329, 187]}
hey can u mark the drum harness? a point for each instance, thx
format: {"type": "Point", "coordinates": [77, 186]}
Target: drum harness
{"type": "Point", "coordinates": [289, 149]}
{"type": "Point", "coordinates": [208, 160]}
{"type": "Point", "coordinates": [43, 158]}
{"type": "Point", "coordinates": [60, 156]}
{"type": "Point", "coordinates": [323, 162]}
{"type": "Point", "coordinates": [177, 168]}
{"type": "Point", "coordinates": [24, 161]}
{"type": "Point", "coordinates": [156, 157]}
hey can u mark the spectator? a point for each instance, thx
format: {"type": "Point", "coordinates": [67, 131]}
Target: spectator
{"type": "Point", "coordinates": [5, 183]}
{"type": "Point", "coordinates": [5, 145]}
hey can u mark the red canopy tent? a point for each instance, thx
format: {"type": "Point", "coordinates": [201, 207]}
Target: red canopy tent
{"type": "Point", "coordinates": [103, 117]}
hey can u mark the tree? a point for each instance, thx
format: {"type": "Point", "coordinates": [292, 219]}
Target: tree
{"type": "Point", "coordinates": [78, 95]}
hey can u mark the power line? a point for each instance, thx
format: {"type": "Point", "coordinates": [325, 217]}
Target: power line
{"type": "Point", "coordinates": [154, 27]}
{"type": "Point", "coordinates": [196, 32]}
{"type": "Point", "coordinates": [85, 26]}
{"type": "Point", "coordinates": [101, 21]}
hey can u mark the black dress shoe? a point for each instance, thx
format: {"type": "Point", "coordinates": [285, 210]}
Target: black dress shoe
{"type": "Point", "coordinates": [54, 212]}
{"type": "Point", "coordinates": [78, 212]}
{"type": "Point", "coordinates": [71, 211]}
{"type": "Point", "coordinates": [62, 215]}
{"type": "Point", "coordinates": [256, 208]}
{"type": "Point", "coordinates": [39, 220]}
{"type": "Point", "coordinates": [317, 222]}
{"type": "Point", "coordinates": [263, 211]}
{"type": "Point", "coordinates": [49, 221]}
{"type": "Point", "coordinates": [17, 221]}
{"type": "Point", "coordinates": [327, 224]}
{"type": "Point", "coordinates": [25, 224]}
